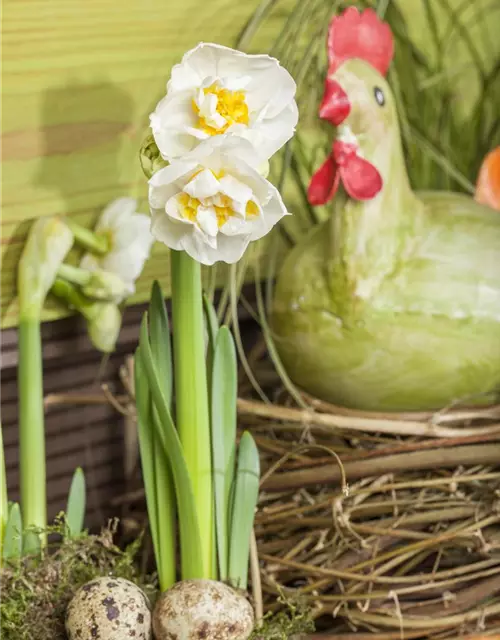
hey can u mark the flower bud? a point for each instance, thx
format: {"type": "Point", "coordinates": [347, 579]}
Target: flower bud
{"type": "Point", "coordinates": [49, 241]}
{"type": "Point", "coordinates": [103, 325]}
{"type": "Point", "coordinates": [105, 286]}
{"type": "Point", "coordinates": [150, 157]}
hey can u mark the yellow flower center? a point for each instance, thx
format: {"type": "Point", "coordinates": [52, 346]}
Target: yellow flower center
{"type": "Point", "coordinates": [231, 106]}
{"type": "Point", "coordinates": [223, 210]}
{"type": "Point", "coordinates": [189, 206]}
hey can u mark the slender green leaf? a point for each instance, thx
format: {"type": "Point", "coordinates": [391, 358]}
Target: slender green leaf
{"type": "Point", "coordinates": [13, 539]}
{"type": "Point", "coordinates": [160, 339]}
{"type": "Point", "coordinates": [246, 493]}
{"type": "Point", "coordinates": [32, 543]}
{"type": "Point", "coordinates": [75, 509]}
{"type": "Point", "coordinates": [145, 429]}
{"type": "Point", "coordinates": [191, 555]}
{"type": "Point", "coordinates": [212, 329]}
{"type": "Point", "coordinates": [223, 405]}
{"type": "Point", "coordinates": [165, 493]}
{"type": "Point", "coordinates": [212, 326]}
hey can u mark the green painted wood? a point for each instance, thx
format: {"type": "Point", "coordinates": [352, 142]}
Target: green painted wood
{"type": "Point", "coordinates": [79, 79]}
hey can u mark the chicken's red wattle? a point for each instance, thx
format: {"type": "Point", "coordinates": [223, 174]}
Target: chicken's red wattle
{"type": "Point", "coordinates": [360, 178]}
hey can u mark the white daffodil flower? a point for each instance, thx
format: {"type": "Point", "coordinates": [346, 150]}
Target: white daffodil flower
{"type": "Point", "coordinates": [216, 90]}
{"type": "Point", "coordinates": [130, 239]}
{"type": "Point", "coordinates": [212, 203]}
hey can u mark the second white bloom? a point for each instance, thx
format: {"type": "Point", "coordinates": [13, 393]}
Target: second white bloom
{"type": "Point", "coordinates": [212, 203]}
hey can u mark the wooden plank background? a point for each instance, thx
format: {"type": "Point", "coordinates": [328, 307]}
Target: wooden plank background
{"type": "Point", "coordinates": [79, 79]}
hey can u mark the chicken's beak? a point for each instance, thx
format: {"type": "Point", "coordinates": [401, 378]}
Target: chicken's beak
{"type": "Point", "coordinates": [335, 106]}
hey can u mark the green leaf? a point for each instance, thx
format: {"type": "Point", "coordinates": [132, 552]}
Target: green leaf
{"type": "Point", "coordinates": [145, 431]}
{"type": "Point", "coordinates": [212, 326]}
{"type": "Point", "coordinates": [191, 556]}
{"type": "Point", "coordinates": [13, 538]}
{"type": "Point", "coordinates": [75, 509]}
{"type": "Point", "coordinates": [223, 408]}
{"type": "Point", "coordinates": [160, 339]}
{"type": "Point", "coordinates": [32, 544]}
{"type": "Point", "coordinates": [165, 493]}
{"type": "Point", "coordinates": [246, 494]}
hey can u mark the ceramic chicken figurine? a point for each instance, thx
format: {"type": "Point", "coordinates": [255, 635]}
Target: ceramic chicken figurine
{"type": "Point", "coordinates": [394, 302]}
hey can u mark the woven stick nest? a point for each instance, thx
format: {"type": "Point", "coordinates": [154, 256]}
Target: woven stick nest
{"type": "Point", "coordinates": [385, 525]}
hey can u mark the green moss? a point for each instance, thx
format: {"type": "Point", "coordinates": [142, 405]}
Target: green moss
{"type": "Point", "coordinates": [294, 619]}
{"type": "Point", "coordinates": [36, 591]}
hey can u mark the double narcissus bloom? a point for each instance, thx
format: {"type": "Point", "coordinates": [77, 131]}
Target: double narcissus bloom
{"type": "Point", "coordinates": [213, 202]}
{"type": "Point", "coordinates": [225, 114]}
{"type": "Point", "coordinates": [130, 243]}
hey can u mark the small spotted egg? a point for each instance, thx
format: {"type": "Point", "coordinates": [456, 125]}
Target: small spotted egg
{"type": "Point", "coordinates": [202, 610]}
{"type": "Point", "coordinates": [109, 609]}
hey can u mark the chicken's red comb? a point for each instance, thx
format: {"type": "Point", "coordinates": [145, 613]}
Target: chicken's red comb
{"type": "Point", "coordinates": [360, 35]}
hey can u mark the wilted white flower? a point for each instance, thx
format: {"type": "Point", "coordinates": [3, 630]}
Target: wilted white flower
{"type": "Point", "coordinates": [217, 90]}
{"type": "Point", "coordinates": [212, 203]}
{"type": "Point", "coordinates": [130, 240]}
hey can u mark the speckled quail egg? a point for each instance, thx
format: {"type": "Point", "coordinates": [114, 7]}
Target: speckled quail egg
{"type": "Point", "coordinates": [109, 609]}
{"type": "Point", "coordinates": [202, 610]}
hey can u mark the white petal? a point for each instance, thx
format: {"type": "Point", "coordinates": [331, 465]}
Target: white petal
{"type": "Point", "coordinates": [231, 248]}
{"type": "Point", "coordinates": [207, 220]}
{"type": "Point", "coordinates": [195, 245]}
{"type": "Point", "coordinates": [132, 246]}
{"type": "Point", "coordinates": [120, 208]}
{"type": "Point", "coordinates": [170, 122]}
{"type": "Point", "coordinates": [168, 231]}
{"type": "Point", "coordinates": [270, 134]}
{"type": "Point", "coordinates": [245, 173]}
{"type": "Point", "coordinates": [271, 90]}
{"type": "Point", "coordinates": [196, 65]}
{"type": "Point", "coordinates": [174, 210]}
{"type": "Point", "coordinates": [235, 189]}
{"type": "Point", "coordinates": [212, 61]}
{"type": "Point", "coordinates": [169, 181]}
{"type": "Point", "coordinates": [236, 227]}
{"type": "Point", "coordinates": [204, 185]}
{"type": "Point", "coordinates": [199, 134]}
{"type": "Point", "coordinates": [272, 213]}
{"type": "Point", "coordinates": [208, 110]}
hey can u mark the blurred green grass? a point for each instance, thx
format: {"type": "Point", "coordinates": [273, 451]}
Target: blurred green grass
{"type": "Point", "coordinates": [445, 77]}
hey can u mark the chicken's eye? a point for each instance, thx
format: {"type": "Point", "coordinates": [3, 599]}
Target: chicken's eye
{"type": "Point", "coordinates": [379, 96]}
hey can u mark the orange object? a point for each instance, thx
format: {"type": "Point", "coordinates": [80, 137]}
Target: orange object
{"type": "Point", "coordinates": [488, 181]}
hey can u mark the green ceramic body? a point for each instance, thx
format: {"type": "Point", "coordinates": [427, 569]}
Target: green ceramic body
{"type": "Point", "coordinates": [392, 303]}
{"type": "Point", "coordinates": [396, 321]}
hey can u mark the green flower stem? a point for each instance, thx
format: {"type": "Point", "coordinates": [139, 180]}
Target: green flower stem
{"type": "Point", "coordinates": [47, 245]}
{"type": "Point", "coordinates": [74, 274]}
{"type": "Point", "coordinates": [191, 394]}
{"type": "Point", "coordinates": [94, 242]}
{"type": "Point", "coordinates": [31, 424]}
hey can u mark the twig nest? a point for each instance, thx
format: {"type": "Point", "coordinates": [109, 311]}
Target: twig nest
{"type": "Point", "coordinates": [109, 609]}
{"type": "Point", "coordinates": [202, 610]}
